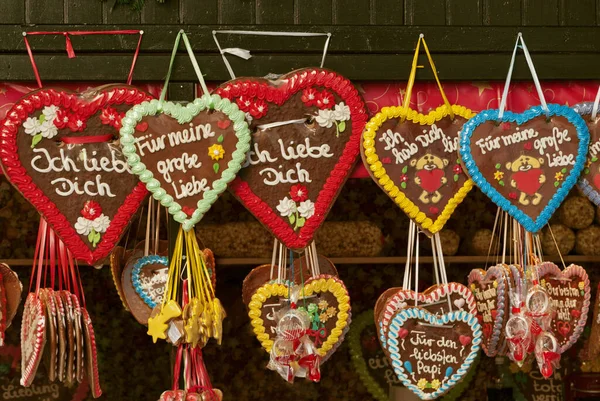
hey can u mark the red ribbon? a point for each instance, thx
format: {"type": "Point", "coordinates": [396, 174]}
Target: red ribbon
{"type": "Point", "coordinates": [319, 335]}
{"type": "Point", "coordinates": [550, 356]}
{"type": "Point", "coordinates": [71, 51]}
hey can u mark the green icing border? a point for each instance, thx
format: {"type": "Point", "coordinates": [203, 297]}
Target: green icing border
{"type": "Point", "coordinates": [358, 325]}
{"type": "Point", "coordinates": [183, 115]}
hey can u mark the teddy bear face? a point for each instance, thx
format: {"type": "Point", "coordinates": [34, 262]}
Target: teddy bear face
{"type": "Point", "coordinates": [429, 162]}
{"type": "Point", "coordinates": [524, 163]}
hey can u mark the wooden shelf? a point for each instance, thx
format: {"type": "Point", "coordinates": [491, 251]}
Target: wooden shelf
{"type": "Point", "coordinates": [379, 260]}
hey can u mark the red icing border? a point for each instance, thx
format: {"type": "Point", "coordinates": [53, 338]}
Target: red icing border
{"type": "Point", "coordinates": [16, 173]}
{"type": "Point", "coordinates": [95, 381]}
{"type": "Point", "coordinates": [296, 81]}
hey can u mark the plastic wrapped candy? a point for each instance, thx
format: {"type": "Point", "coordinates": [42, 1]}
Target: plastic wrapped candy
{"type": "Point", "coordinates": [547, 353]}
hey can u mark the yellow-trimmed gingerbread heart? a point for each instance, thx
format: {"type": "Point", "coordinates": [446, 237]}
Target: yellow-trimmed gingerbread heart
{"type": "Point", "coordinates": [414, 158]}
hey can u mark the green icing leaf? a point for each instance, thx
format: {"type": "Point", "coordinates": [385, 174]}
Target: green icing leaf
{"type": "Point", "coordinates": [220, 138]}
{"type": "Point", "coordinates": [404, 169]}
{"type": "Point", "coordinates": [36, 139]}
{"type": "Point", "coordinates": [342, 126]}
{"type": "Point", "coordinates": [403, 185]}
{"type": "Point", "coordinates": [586, 171]}
{"type": "Point", "coordinates": [292, 218]}
{"type": "Point", "coordinates": [498, 165]}
{"type": "Point", "coordinates": [42, 118]}
{"type": "Point", "coordinates": [216, 167]}
{"type": "Point", "coordinates": [594, 159]}
{"type": "Point", "coordinates": [564, 170]}
{"type": "Point", "coordinates": [97, 238]}
{"type": "Point", "coordinates": [455, 177]}
{"type": "Point", "coordinates": [501, 183]}
{"type": "Point", "coordinates": [556, 183]}
{"type": "Point", "coordinates": [301, 221]}
{"type": "Point", "coordinates": [91, 236]}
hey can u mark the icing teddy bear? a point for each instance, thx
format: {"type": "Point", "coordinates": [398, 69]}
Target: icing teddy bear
{"type": "Point", "coordinates": [527, 177]}
{"type": "Point", "coordinates": [430, 176]}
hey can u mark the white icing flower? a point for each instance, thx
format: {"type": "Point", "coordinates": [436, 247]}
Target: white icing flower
{"type": "Point", "coordinates": [341, 112]}
{"type": "Point", "coordinates": [48, 129]}
{"type": "Point", "coordinates": [286, 207]}
{"type": "Point", "coordinates": [101, 223]}
{"type": "Point", "coordinates": [306, 209]}
{"type": "Point", "coordinates": [249, 117]}
{"type": "Point", "coordinates": [83, 226]}
{"type": "Point", "coordinates": [32, 126]}
{"type": "Point", "coordinates": [49, 113]}
{"type": "Point", "coordinates": [325, 118]}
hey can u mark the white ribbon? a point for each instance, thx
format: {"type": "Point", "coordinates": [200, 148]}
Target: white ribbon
{"type": "Point", "coordinates": [595, 108]}
{"type": "Point", "coordinates": [245, 54]}
{"type": "Point", "coordinates": [536, 81]}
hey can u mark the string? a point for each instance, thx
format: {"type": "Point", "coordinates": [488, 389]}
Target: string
{"type": "Point", "coordinates": [405, 282]}
{"type": "Point", "coordinates": [273, 258]}
{"type": "Point", "coordinates": [492, 239]}
{"type": "Point", "coordinates": [556, 244]}
{"type": "Point", "coordinates": [596, 102]}
{"type": "Point", "coordinates": [71, 52]}
{"type": "Point", "coordinates": [443, 272]}
{"type": "Point", "coordinates": [413, 73]}
{"type": "Point", "coordinates": [246, 53]}
{"type": "Point", "coordinates": [417, 269]}
{"type": "Point", "coordinates": [505, 238]}
{"type": "Point", "coordinates": [536, 81]}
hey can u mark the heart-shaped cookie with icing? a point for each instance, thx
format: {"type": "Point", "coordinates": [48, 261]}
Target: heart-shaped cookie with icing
{"type": "Point", "coordinates": [306, 129]}
{"type": "Point", "coordinates": [430, 354]}
{"type": "Point", "coordinates": [326, 300]}
{"type": "Point", "coordinates": [437, 299]}
{"type": "Point", "coordinates": [569, 291]}
{"type": "Point", "coordinates": [414, 159]}
{"type": "Point", "coordinates": [60, 150]}
{"type": "Point", "coordinates": [490, 289]}
{"type": "Point", "coordinates": [526, 163]}
{"type": "Point", "coordinates": [589, 182]}
{"type": "Point", "coordinates": [186, 154]}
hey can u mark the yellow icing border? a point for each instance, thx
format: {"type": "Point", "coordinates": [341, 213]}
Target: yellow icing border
{"type": "Point", "coordinates": [341, 295]}
{"type": "Point", "coordinates": [380, 175]}
{"type": "Point", "coordinates": [255, 305]}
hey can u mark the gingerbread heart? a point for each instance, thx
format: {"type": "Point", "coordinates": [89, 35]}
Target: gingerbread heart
{"type": "Point", "coordinates": [430, 354]}
{"type": "Point", "coordinates": [490, 289]}
{"type": "Point", "coordinates": [437, 299]}
{"type": "Point", "coordinates": [326, 300]}
{"type": "Point", "coordinates": [58, 149]}
{"type": "Point", "coordinates": [306, 136]}
{"type": "Point", "coordinates": [526, 163]}
{"type": "Point", "coordinates": [184, 156]}
{"type": "Point", "coordinates": [589, 182]}
{"type": "Point", "coordinates": [33, 338]}
{"type": "Point", "coordinates": [413, 158]}
{"type": "Point", "coordinates": [569, 291]}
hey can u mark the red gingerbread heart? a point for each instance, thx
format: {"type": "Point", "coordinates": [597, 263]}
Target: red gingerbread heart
{"type": "Point", "coordinates": [59, 149]}
{"type": "Point", "coordinates": [306, 135]}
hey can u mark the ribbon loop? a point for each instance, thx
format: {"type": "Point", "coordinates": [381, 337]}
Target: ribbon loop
{"type": "Point", "coordinates": [413, 73]}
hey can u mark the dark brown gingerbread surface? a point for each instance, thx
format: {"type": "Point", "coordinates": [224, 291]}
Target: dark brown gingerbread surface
{"type": "Point", "coordinates": [186, 158]}
{"type": "Point", "coordinates": [592, 170]}
{"type": "Point", "coordinates": [423, 161]}
{"type": "Point", "coordinates": [526, 163]}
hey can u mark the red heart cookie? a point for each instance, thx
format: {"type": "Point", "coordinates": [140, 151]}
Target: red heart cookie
{"type": "Point", "coordinates": [306, 136]}
{"type": "Point", "coordinates": [569, 291]}
{"type": "Point", "coordinates": [57, 148]}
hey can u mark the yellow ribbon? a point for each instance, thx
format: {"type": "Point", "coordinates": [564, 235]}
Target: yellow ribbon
{"type": "Point", "coordinates": [411, 80]}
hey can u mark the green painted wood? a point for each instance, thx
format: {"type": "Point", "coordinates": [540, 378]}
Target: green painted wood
{"type": "Point", "coordinates": [578, 13]}
{"type": "Point", "coordinates": [351, 12]}
{"type": "Point", "coordinates": [425, 12]}
{"type": "Point", "coordinates": [345, 39]}
{"type": "Point", "coordinates": [79, 12]}
{"type": "Point", "coordinates": [502, 12]}
{"type": "Point", "coordinates": [464, 12]}
{"type": "Point", "coordinates": [119, 14]}
{"type": "Point", "coordinates": [181, 91]}
{"type": "Point", "coordinates": [540, 12]}
{"type": "Point", "coordinates": [166, 12]}
{"type": "Point", "coordinates": [317, 12]}
{"type": "Point", "coordinates": [199, 12]}
{"type": "Point", "coordinates": [237, 11]}
{"type": "Point", "coordinates": [12, 12]}
{"type": "Point", "coordinates": [44, 11]}
{"type": "Point", "coordinates": [275, 12]}
{"type": "Point", "coordinates": [476, 66]}
{"type": "Point", "coordinates": [388, 12]}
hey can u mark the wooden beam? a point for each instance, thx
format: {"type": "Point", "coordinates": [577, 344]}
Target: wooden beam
{"type": "Point", "coordinates": [345, 38]}
{"type": "Point", "coordinates": [461, 67]}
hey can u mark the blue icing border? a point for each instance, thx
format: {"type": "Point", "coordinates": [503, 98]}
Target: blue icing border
{"type": "Point", "coordinates": [585, 186]}
{"type": "Point", "coordinates": [520, 118]}
{"type": "Point", "coordinates": [135, 275]}
{"type": "Point", "coordinates": [417, 313]}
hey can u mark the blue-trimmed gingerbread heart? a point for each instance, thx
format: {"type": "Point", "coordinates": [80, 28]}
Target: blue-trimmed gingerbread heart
{"type": "Point", "coordinates": [589, 182]}
{"type": "Point", "coordinates": [430, 354]}
{"type": "Point", "coordinates": [149, 278]}
{"type": "Point", "coordinates": [526, 163]}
